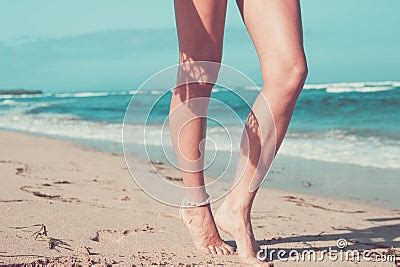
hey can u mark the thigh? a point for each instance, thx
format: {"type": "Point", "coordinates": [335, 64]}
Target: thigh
{"type": "Point", "coordinates": [200, 26]}
{"type": "Point", "coordinates": [276, 30]}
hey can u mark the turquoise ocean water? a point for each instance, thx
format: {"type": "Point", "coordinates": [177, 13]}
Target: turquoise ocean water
{"type": "Point", "coordinates": [356, 123]}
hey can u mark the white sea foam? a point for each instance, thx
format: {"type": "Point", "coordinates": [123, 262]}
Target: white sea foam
{"type": "Point", "coordinates": [366, 89]}
{"type": "Point", "coordinates": [156, 92]}
{"type": "Point", "coordinates": [147, 92]}
{"type": "Point", "coordinates": [253, 88]}
{"type": "Point", "coordinates": [61, 126]}
{"type": "Point", "coordinates": [82, 94]}
{"type": "Point", "coordinates": [217, 90]}
{"type": "Point", "coordinates": [334, 146]}
{"type": "Point", "coordinates": [24, 96]}
{"type": "Point", "coordinates": [67, 95]}
{"type": "Point", "coordinates": [9, 102]}
{"type": "Point", "coordinates": [360, 87]}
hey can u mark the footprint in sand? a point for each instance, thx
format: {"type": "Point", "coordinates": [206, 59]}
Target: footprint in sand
{"type": "Point", "coordinates": [303, 203]}
{"type": "Point", "coordinates": [115, 235]}
{"type": "Point", "coordinates": [19, 170]}
{"type": "Point", "coordinates": [62, 182]}
{"type": "Point", "coordinates": [30, 189]}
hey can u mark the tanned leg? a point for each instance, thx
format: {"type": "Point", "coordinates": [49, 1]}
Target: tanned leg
{"type": "Point", "coordinates": [276, 31]}
{"type": "Point", "coordinates": [200, 25]}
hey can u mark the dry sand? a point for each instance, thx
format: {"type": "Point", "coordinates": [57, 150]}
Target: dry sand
{"type": "Point", "coordinates": [93, 212]}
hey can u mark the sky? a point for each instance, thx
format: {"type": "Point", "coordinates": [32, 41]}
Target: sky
{"type": "Point", "coordinates": [76, 45]}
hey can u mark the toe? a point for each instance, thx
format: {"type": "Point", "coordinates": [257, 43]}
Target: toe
{"type": "Point", "coordinates": [219, 251]}
{"type": "Point", "coordinates": [212, 249]}
{"type": "Point", "coordinates": [224, 250]}
{"type": "Point", "coordinates": [229, 248]}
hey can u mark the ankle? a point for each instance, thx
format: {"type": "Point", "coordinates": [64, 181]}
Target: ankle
{"type": "Point", "coordinates": [239, 206]}
{"type": "Point", "coordinates": [196, 209]}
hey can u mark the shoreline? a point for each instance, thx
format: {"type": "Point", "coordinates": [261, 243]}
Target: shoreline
{"type": "Point", "coordinates": [95, 213]}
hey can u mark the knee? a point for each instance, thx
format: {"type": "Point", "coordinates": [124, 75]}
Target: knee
{"type": "Point", "coordinates": [299, 72]}
{"type": "Point", "coordinates": [289, 76]}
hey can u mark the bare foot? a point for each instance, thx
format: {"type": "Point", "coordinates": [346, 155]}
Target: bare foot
{"type": "Point", "coordinates": [236, 221]}
{"type": "Point", "coordinates": [201, 225]}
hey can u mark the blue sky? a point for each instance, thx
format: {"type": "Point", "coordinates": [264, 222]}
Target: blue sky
{"type": "Point", "coordinates": [100, 45]}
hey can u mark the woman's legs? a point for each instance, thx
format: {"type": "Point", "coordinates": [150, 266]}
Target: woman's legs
{"type": "Point", "coordinates": [276, 30]}
{"type": "Point", "coordinates": [200, 25]}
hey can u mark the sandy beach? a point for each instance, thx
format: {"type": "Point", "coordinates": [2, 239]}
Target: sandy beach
{"type": "Point", "coordinates": [63, 203]}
